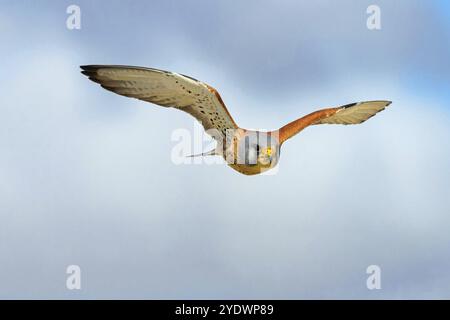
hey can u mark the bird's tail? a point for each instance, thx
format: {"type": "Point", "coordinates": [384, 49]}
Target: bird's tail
{"type": "Point", "coordinates": [209, 153]}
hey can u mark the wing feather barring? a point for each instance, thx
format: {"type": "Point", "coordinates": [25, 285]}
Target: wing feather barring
{"type": "Point", "coordinates": [247, 151]}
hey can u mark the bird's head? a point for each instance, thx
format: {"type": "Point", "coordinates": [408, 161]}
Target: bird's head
{"type": "Point", "coordinates": [268, 155]}
{"type": "Point", "coordinates": [258, 149]}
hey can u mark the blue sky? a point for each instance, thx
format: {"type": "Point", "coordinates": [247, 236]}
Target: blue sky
{"type": "Point", "coordinates": [86, 176]}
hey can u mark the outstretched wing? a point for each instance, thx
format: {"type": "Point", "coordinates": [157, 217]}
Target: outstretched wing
{"type": "Point", "coordinates": [167, 89]}
{"type": "Point", "coordinates": [349, 114]}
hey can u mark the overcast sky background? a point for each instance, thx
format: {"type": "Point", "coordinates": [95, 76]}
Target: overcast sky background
{"type": "Point", "coordinates": [86, 176]}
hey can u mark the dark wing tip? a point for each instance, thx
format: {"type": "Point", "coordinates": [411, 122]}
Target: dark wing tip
{"type": "Point", "coordinates": [349, 105]}
{"type": "Point", "coordinates": [89, 67]}
{"type": "Point", "coordinates": [89, 70]}
{"type": "Point", "coordinates": [386, 102]}
{"type": "Point", "coordinates": [94, 67]}
{"type": "Point", "coordinates": [87, 73]}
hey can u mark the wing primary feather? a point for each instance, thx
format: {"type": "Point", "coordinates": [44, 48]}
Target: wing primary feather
{"type": "Point", "coordinates": [167, 89]}
{"type": "Point", "coordinates": [353, 113]}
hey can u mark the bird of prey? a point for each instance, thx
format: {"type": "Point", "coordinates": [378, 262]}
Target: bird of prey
{"type": "Point", "coordinates": [247, 151]}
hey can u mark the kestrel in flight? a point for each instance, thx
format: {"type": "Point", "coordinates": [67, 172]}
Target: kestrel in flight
{"type": "Point", "coordinates": [247, 151]}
